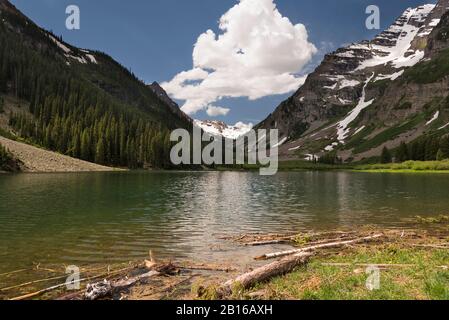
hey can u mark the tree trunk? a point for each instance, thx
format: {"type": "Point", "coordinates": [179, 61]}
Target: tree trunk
{"type": "Point", "coordinates": [316, 247]}
{"type": "Point", "coordinates": [264, 273]}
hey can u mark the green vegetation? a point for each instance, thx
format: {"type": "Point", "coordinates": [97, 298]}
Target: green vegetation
{"type": "Point", "coordinates": [425, 148]}
{"type": "Point", "coordinates": [291, 165]}
{"type": "Point", "coordinates": [408, 166]}
{"type": "Point", "coordinates": [5, 159]}
{"type": "Point", "coordinates": [429, 71]}
{"type": "Point", "coordinates": [386, 156]}
{"type": "Point", "coordinates": [7, 134]}
{"type": "Point", "coordinates": [2, 105]}
{"type": "Point", "coordinates": [310, 165]}
{"type": "Point", "coordinates": [380, 85]}
{"type": "Point", "coordinates": [359, 138]}
{"type": "Point", "coordinates": [433, 220]}
{"type": "Point", "coordinates": [389, 134]}
{"type": "Point", "coordinates": [97, 112]}
{"type": "Point", "coordinates": [419, 275]}
{"type": "Point", "coordinates": [330, 158]}
{"type": "Point", "coordinates": [443, 29]}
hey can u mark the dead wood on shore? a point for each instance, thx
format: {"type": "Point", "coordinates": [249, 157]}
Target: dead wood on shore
{"type": "Point", "coordinates": [153, 279]}
{"type": "Point", "coordinates": [263, 273]}
{"type": "Point", "coordinates": [318, 246]}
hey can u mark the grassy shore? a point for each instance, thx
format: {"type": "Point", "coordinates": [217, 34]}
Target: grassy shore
{"type": "Point", "coordinates": [413, 273]}
{"type": "Point", "coordinates": [408, 166]}
{"type": "Point", "coordinates": [405, 167]}
{"type": "Point", "coordinates": [412, 263]}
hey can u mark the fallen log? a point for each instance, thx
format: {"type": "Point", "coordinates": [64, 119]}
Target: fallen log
{"type": "Point", "coordinates": [265, 243]}
{"type": "Point", "coordinates": [316, 247]}
{"type": "Point", "coordinates": [207, 268]}
{"type": "Point", "coordinates": [263, 273]}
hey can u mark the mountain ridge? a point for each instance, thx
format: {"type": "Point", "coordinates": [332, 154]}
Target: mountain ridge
{"type": "Point", "coordinates": [339, 99]}
{"type": "Point", "coordinates": [80, 103]}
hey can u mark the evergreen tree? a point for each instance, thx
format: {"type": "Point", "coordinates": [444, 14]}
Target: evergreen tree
{"type": "Point", "coordinates": [440, 155]}
{"type": "Point", "coordinates": [85, 146]}
{"type": "Point", "coordinates": [100, 152]}
{"type": "Point", "coordinates": [69, 112]}
{"type": "Point", "coordinates": [402, 153]}
{"type": "Point", "coordinates": [386, 156]}
{"type": "Point", "coordinates": [444, 147]}
{"type": "Point", "coordinates": [2, 105]}
{"type": "Point", "coordinates": [432, 146]}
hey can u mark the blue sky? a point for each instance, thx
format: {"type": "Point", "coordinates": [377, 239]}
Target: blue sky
{"type": "Point", "coordinates": [155, 38]}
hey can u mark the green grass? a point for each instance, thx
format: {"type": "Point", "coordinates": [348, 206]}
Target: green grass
{"type": "Point", "coordinates": [359, 138]}
{"type": "Point", "coordinates": [431, 71]}
{"type": "Point", "coordinates": [390, 134]}
{"type": "Point", "coordinates": [318, 281]}
{"type": "Point", "coordinates": [7, 134]}
{"type": "Point", "coordinates": [6, 159]}
{"type": "Point", "coordinates": [408, 166]}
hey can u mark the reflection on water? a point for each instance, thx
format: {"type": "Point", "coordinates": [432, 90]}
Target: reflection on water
{"type": "Point", "coordinates": [108, 217]}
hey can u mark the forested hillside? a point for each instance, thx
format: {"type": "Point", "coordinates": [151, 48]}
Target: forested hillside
{"type": "Point", "coordinates": [81, 103]}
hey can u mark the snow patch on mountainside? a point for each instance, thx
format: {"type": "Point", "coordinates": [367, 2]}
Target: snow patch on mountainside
{"type": "Point", "coordinates": [59, 44]}
{"type": "Point", "coordinates": [69, 54]}
{"type": "Point", "coordinates": [434, 118]}
{"type": "Point", "coordinates": [400, 53]}
{"type": "Point", "coordinates": [342, 127]}
{"type": "Point", "coordinates": [392, 77]}
{"type": "Point", "coordinates": [218, 128]}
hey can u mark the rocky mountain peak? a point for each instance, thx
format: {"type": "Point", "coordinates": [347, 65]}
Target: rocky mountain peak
{"type": "Point", "coordinates": [324, 114]}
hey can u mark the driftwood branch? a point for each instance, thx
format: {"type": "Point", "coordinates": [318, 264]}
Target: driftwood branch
{"type": "Point", "coordinates": [106, 288]}
{"type": "Point", "coordinates": [268, 242]}
{"type": "Point", "coordinates": [45, 290]}
{"type": "Point", "coordinates": [320, 246]}
{"type": "Point", "coordinates": [264, 273]}
{"type": "Point", "coordinates": [12, 272]}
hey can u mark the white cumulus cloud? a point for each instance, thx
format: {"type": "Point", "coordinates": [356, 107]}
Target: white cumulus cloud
{"type": "Point", "coordinates": [214, 111]}
{"type": "Point", "coordinates": [258, 53]}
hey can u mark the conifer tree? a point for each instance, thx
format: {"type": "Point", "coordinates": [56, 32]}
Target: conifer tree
{"type": "Point", "coordinates": [386, 156]}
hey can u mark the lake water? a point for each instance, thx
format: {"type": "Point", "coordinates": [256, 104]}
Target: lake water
{"type": "Point", "coordinates": [116, 217]}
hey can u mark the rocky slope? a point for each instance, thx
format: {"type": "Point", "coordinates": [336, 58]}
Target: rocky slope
{"type": "Point", "coordinates": [34, 159]}
{"type": "Point", "coordinates": [362, 95]}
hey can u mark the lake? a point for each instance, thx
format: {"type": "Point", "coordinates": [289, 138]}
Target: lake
{"type": "Point", "coordinates": [115, 217]}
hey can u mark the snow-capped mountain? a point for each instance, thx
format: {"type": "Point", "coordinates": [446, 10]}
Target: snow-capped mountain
{"type": "Point", "coordinates": [218, 128]}
{"type": "Point", "coordinates": [332, 107]}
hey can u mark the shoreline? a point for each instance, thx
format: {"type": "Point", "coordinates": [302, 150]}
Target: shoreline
{"type": "Point", "coordinates": [399, 253]}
